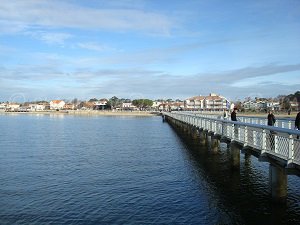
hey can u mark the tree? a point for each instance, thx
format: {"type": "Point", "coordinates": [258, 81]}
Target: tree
{"type": "Point", "coordinates": [74, 101]}
{"type": "Point", "coordinates": [239, 106]}
{"type": "Point", "coordinates": [286, 104]}
{"type": "Point", "coordinates": [114, 102]}
{"type": "Point", "coordinates": [142, 103]}
{"type": "Point", "coordinates": [93, 100]}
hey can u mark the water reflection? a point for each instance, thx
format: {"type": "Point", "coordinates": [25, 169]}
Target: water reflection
{"type": "Point", "coordinates": [244, 193]}
{"type": "Point", "coordinates": [133, 170]}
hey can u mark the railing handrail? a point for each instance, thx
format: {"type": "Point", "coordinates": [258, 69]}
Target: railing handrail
{"type": "Point", "coordinates": [276, 141]}
{"type": "Point", "coordinates": [270, 128]}
{"type": "Point", "coordinates": [244, 116]}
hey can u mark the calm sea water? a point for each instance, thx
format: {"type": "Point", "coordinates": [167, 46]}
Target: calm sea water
{"type": "Point", "coordinates": [63, 169]}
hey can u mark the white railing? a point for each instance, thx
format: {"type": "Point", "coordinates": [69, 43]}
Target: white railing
{"type": "Point", "coordinates": [280, 142]}
{"type": "Point", "coordinates": [283, 123]}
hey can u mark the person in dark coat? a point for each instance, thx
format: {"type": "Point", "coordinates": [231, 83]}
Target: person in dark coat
{"type": "Point", "coordinates": [233, 115]}
{"type": "Point", "coordinates": [233, 118]}
{"type": "Point", "coordinates": [271, 119]}
{"type": "Point", "coordinates": [271, 122]}
{"type": "Point", "coordinates": [297, 123]}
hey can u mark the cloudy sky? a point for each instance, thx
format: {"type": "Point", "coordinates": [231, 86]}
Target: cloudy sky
{"type": "Point", "coordinates": [53, 49]}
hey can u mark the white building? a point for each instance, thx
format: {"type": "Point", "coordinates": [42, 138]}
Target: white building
{"type": "Point", "coordinates": [156, 104]}
{"type": "Point", "coordinates": [128, 106]}
{"type": "Point", "coordinates": [294, 106]}
{"type": "Point", "coordinates": [3, 106]}
{"type": "Point", "coordinates": [273, 106]}
{"type": "Point", "coordinates": [101, 104]}
{"type": "Point", "coordinates": [212, 102]}
{"type": "Point", "coordinates": [250, 105]}
{"type": "Point", "coordinates": [195, 103]}
{"type": "Point", "coordinates": [12, 106]}
{"type": "Point", "coordinates": [37, 107]}
{"type": "Point", "coordinates": [261, 105]}
{"type": "Point", "coordinates": [57, 104]}
{"type": "Point", "coordinates": [216, 103]}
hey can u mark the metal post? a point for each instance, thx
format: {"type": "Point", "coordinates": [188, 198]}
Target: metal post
{"type": "Point", "coordinates": [246, 136]}
{"type": "Point", "coordinates": [291, 150]}
{"type": "Point", "coordinates": [275, 143]}
{"type": "Point", "coordinates": [264, 141]}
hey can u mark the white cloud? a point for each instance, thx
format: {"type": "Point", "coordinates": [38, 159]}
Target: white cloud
{"type": "Point", "coordinates": [155, 83]}
{"type": "Point", "coordinates": [57, 14]}
{"type": "Point", "coordinates": [94, 46]}
{"type": "Point", "coordinates": [49, 37]}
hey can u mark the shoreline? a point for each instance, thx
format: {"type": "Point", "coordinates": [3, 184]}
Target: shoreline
{"type": "Point", "coordinates": [87, 113]}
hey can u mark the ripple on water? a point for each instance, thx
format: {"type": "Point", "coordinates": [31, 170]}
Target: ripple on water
{"type": "Point", "coordinates": [110, 170]}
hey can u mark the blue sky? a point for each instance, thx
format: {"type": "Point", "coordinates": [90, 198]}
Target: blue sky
{"type": "Point", "coordinates": [148, 49]}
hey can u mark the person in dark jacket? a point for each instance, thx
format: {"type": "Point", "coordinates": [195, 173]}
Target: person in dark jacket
{"type": "Point", "coordinates": [271, 122]}
{"type": "Point", "coordinates": [271, 119]}
{"type": "Point", "coordinates": [297, 123]}
{"type": "Point", "coordinates": [233, 118]}
{"type": "Point", "coordinates": [233, 115]}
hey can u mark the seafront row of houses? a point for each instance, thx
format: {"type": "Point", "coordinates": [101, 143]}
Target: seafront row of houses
{"type": "Point", "coordinates": [212, 102]}
{"type": "Point", "coordinates": [52, 105]}
{"type": "Point", "coordinates": [261, 105]}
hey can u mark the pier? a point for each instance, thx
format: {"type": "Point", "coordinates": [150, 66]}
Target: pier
{"type": "Point", "coordinates": [278, 146]}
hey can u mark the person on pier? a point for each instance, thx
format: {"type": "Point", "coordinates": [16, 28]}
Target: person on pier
{"type": "Point", "coordinates": [225, 115]}
{"type": "Point", "coordinates": [297, 123]}
{"type": "Point", "coordinates": [233, 115]}
{"type": "Point", "coordinates": [271, 122]}
{"type": "Point", "coordinates": [233, 118]}
{"type": "Point", "coordinates": [271, 118]}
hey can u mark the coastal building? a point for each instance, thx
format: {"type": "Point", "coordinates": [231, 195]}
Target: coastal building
{"type": "Point", "coordinates": [101, 104]}
{"type": "Point", "coordinates": [39, 107]}
{"type": "Point", "coordinates": [250, 105]}
{"type": "Point", "coordinates": [195, 103]}
{"type": "Point", "coordinates": [156, 104]}
{"type": "Point", "coordinates": [128, 106]}
{"type": "Point", "coordinates": [57, 104]}
{"type": "Point", "coordinates": [3, 106]}
{"type": "Point", "coordinates": [12, 107]}
{"type": "Point", "coordinates": [273, 105]}
{"type": "Point", "coordinates": [261, 105]}
{"type": "Point", "coordinates": [294, 105]}
{"type": "Point", "coordinates": [69, 106]}
{"type": "Point", "coordinates": [86, 105]}
{"type": "Point", "coordinates": [171, 106]}
{"type": "Point", "coordinates": [177, 106]}
{"type": "Point", "coordinates": [213, 102]}
{"type": "Point", "coordinates": [216, 102]}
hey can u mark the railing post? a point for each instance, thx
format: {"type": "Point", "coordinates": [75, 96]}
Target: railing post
{"type": "Point", "coordinates": [246, 136]}
{"type": "Point", "coordinates": [232, 131]}
{"type": "Point", "coordinates": [290, 124]}
{"type": "Point", "coordinates": [291, 150]}
{"type": "Point", "coordinates": [215, 127]}
{"type": "Point", "coordinates": [275, 143]}
{"type": "Point", "coordinates": [264, 141]}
